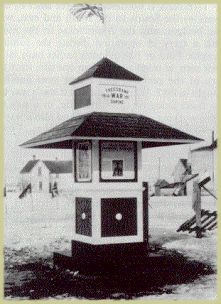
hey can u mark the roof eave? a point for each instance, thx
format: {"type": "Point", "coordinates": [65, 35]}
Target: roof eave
{"type": "Point", "coordinates": [86, 78]}
{"type": "Point", "coordinates": [66, 142]}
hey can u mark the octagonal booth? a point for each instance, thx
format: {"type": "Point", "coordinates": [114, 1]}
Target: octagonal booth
{"type": "Point", "coordinates": [107, 136]}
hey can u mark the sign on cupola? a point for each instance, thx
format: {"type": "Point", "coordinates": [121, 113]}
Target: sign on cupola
{"type": "Point", "coordinates": [105, 87]}
{"type": "Point", "coordinates": [116, 94]}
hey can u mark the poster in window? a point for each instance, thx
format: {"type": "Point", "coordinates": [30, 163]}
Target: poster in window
{"type": "Point", "coordinates": [118, 161]}
{"type": "Point", "coordinates": [83, 161]}
{"type": "Point", "coordinates": [117, 167]}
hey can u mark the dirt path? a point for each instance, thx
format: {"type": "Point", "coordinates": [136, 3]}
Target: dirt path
{"type": "Point", "coordinates": [34, 278]}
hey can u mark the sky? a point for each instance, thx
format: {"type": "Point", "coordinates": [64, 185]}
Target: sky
{"type": "Point", "coordinates": [173, 47]}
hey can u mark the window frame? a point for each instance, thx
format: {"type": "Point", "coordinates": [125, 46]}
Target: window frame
{"type": "Point", "coordinates": [116, 180]}
{"type": "Point", "coordinates": [75, 161]}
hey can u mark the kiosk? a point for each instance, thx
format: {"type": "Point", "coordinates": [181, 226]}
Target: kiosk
{"type": "Point", "coordinates": [107, 135]}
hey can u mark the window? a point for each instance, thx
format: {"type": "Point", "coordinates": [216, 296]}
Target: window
{"type": "Point", "coordinates": [82, 97]}
{"type": "Point", "coordinates": [118, 161]}
{"type": "Point", "coordinates": [83, 162]}
{"type": "Point", "coordinates": [40, 186]}
{"type": "Point", "coordinates": [39, 171]}
{"type": "Point", "coordinates": [57, 175]}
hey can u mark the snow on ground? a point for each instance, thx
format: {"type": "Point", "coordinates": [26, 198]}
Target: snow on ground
{"type": "Point", "coordinates": [166, 214]}
{"type": "Point", "coordinates": [38, 221]}
{"type": "Point", "coordinates": [40, 225]}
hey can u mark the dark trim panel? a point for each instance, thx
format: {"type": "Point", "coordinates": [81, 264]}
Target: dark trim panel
{"type": "Point", "coordinates": [124, 226]}
{"type": "Point", "coordinates": [83, 206]}
{"type": "Point", "coordinates": [135, 163]}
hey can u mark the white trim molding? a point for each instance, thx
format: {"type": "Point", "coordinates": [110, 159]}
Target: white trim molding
{"type": "Point", "coordinates": [57, 140]}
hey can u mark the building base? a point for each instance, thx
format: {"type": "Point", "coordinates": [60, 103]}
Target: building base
{"type": "Point", "coordinates": [107, 259]}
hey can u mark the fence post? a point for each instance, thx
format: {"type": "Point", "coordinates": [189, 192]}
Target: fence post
{"type": "Point", "coordinates": [197, 208]}
{"type": "Point", "coordinates": [145, 213]}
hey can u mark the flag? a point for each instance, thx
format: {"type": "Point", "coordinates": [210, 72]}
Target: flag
{"type": "Point", "coordinates": [81, 11]}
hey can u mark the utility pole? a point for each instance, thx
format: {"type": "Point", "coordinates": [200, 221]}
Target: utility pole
{"type": "Point", "coordinates": [159, 168]}
{"type": "Point", "coordinates": [213, 149]}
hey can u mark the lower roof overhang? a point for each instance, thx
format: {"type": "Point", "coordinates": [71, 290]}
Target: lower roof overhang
{"type": "Point", "coordinates": [67, 143]}
{"type": "Point", "coordinates": [110, 126]}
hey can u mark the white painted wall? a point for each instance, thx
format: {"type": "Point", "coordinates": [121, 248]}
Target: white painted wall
{"type": "Point", "coordinates": [103, 104]}
{"type": "Point", "coordinates": [202, 161]}
{"type": "Point", "coordinates": [97, 190]}
{"type": "Point", "coordinates": [96, 217]}
{"type": "Point", "coordinates": [178, 172]}
{"type": "Point", "coordinates": [63, 180]}
{"type": "Point", "coordinates": [100, 186]}
{"type": "Point", "coordinates": [35, 179]}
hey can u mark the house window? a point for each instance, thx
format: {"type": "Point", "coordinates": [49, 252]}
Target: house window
{"type": "Point", "coordinates": [83, 162]}
{"type": "Point", "coordinates": [118, 161]}
{"type": "Point", "coordinates": [57, 175]}
{"type": "Point", "coordinates": [40, 186]}
{"type": "Point", "coordinates": [39, 171]}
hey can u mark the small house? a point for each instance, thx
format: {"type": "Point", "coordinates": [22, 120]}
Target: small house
{"type": "Point", "coordinates": [42, 175]}
{"type": "Point", "coordinates": [181, 169]}
{"type": "Point", "coordinates": [182, 173]}
{"type": "Point", "coordinates": [160, 183]}
{"type": "Point", "coordinates": [204, 159]}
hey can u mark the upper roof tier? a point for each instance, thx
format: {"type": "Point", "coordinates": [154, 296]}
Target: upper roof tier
{"type": "Point", "coordinates": [106, 68]}
{"type": "Point", "coordinates": [111, 126]}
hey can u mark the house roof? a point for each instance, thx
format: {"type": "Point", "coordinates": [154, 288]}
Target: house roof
{"type": "Point", "coordinates": [28, 167]}
{"type": "Point", "coordinates": [161, 182]}
{"type": "Point", "coordinates": [186, 165]}
{"type": "Point", "coordinates": [58, 167]}
{"type": "Point", "coordinates": [172, 185]}
{"type": "Point", "coordinates": [211, 147]}
{"type": "Point", "coordinates": [106, 68]}
{"type": "Point", "coordinates": [110, 126]}
{"type": "Point", "coordinates": [184, 162]}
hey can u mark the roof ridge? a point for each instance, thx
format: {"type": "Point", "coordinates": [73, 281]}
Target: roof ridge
{"type": "Point", "coordinates": [107, 68]}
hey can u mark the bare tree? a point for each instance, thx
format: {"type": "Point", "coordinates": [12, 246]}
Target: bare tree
{"type": "Point", "coordinates": [81, 11]}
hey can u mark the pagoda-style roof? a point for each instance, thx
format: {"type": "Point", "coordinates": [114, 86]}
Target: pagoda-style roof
{"type": "Point", "coordinates": [105, 68]}
{"type": "Point", "coordinates": [111, 126]}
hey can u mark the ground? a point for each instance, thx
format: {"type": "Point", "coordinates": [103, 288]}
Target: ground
{"type": "Point", "coordinates": [38, 225]}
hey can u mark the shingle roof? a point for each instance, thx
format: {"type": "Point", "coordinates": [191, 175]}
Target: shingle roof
{"type": "Point", "coordinates": [58, 167]}
{"type": "Point", "coordinates": [161, 182]}
{"type": "Point", "coordinates": [110, 125]}
{"type": "Point", "coordinates": [184, 162]}
{"type": "Point", "coordinates": [106, 68]}
{"type": "Point", "coordinates": [29, 166]}
{"type": "Point", "coordinates": [207, 148]}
